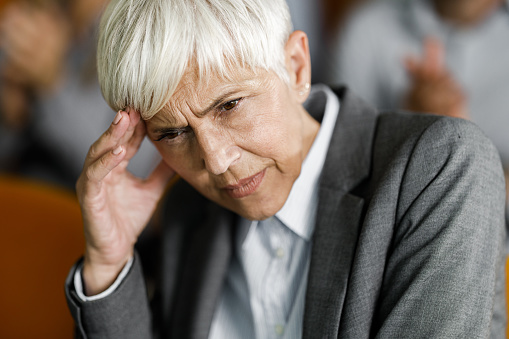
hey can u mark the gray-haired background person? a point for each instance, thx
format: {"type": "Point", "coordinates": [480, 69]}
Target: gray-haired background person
{"type": "Point", "coordinates": [302, 212]}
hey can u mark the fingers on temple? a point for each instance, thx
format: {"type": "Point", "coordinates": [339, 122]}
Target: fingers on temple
{"type": "Point", "coordinates": [110, 139]}
{"type": "Point", "coordinates": [105, 164]}
{"type": "Point", "coordinates": [135, 141]}
{"type": "Point", "coordinates": [134, 122]}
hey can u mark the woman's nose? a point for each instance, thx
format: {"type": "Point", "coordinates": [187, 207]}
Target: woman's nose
{"type": "Point", "coordinates": [218, 150]}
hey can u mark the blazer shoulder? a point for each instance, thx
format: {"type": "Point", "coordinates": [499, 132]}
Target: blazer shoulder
{"type": "Point", "coordinates": [438, 202]}
{"type": "Point", "coordinates": [412, 149]}
{"type": "Point", "coordinates": [401, 127]}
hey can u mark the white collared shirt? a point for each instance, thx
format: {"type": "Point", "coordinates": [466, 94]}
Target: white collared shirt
{"type": "Point", "coordinates": [264, 290]}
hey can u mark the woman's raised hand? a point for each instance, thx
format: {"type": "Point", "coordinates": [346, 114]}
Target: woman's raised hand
{"type": "Point", "coordinates": [115, 204]}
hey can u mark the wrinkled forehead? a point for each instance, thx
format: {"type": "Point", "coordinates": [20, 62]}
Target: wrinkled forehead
{"type": "Point", "coordinates": [198, 92]}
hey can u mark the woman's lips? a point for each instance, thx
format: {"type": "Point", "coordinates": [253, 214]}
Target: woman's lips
{"type": "Point", "coordinates": [246, 186]}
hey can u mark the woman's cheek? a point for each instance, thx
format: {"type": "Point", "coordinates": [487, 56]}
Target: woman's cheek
{"type": "Point", "coordinates": [171, 157]}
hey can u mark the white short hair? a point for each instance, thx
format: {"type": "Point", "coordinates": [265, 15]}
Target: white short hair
{"type": "Point", "coordinates": [145, 46]}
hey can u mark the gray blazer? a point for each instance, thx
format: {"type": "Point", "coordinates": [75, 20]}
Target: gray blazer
{"type": "Point", "coordinates": [408, 241]}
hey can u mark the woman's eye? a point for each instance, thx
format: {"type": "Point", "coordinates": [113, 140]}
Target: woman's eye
{"type": "Point", "coordinates": [170, 135]}
{"type": "Point", "coordinates": [230, 105]}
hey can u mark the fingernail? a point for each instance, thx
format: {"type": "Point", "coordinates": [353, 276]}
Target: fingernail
{"type": "Point", "coordinates": [117, 150]}
{"type": "Point", "coordinates": [118, 117]}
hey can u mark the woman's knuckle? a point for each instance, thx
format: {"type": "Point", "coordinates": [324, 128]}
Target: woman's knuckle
{"type": "Point", "coordinates": [103, 162]}
{"type": "Point", "coordinates": [92, 151]}
{"type": "Point", "coordinates": [90, 173]}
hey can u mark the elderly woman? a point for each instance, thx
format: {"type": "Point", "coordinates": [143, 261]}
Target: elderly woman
{"type": "Point", "coordinates": [300, 213]}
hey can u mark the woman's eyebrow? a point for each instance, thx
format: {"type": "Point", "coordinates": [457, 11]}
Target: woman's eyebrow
{"type": "Point", "coordinates": [213, 105]}
{"type": "Point", "coordinates": [217, 102]}
{"type": "Point", "coordinates": [166, 130]}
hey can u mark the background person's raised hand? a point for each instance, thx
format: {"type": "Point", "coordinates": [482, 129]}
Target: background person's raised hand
{"type": "Point", "coordinates": [432, 87]}
{"type": "Point", "coordinates": [116, 205]}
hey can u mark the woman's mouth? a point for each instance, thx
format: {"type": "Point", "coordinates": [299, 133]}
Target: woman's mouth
{"type": "Point", "coordinates": [246, 186]}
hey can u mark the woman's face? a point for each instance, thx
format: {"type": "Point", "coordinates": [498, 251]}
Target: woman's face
{"type": "Point", "coordinates": [239, 143]}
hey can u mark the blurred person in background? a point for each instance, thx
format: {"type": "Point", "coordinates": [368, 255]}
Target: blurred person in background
{"type": "Point", "coordinates": [448, 57]}
{"type": "Point", "coordinates": [51, 107]}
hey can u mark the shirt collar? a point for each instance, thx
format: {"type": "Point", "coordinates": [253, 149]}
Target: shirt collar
{"type": "Point", "coordinates": [299, 210]}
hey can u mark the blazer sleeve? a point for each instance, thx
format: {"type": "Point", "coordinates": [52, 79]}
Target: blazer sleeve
{"type": "Point", "coordinates": [124, 314]}
{"type": "Point", "coordinates": [447, 246]}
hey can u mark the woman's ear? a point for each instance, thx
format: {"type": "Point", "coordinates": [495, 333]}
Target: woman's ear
{"type": "Point", "coordinates": [298, 64]}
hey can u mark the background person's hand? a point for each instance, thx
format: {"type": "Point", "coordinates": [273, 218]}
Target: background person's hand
{"type": "Point", "coordinates": [433, 89]}
{"type": "Point", "coordinates": [116, 205]}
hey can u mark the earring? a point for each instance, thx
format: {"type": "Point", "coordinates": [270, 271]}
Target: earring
{"type": "Point", "coordinates": [307, 86]}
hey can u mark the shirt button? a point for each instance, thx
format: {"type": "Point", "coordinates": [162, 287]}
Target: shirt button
{"type": "Point", "coordinates": [280, 329]}
{"type": "Point", "coordinates": [280, 253]}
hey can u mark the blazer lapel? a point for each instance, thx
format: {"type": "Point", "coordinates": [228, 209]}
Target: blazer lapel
{"type": "Point", "coordinates": [340, 213]}
{"type": "Point", "coordinates": [208, 258]}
